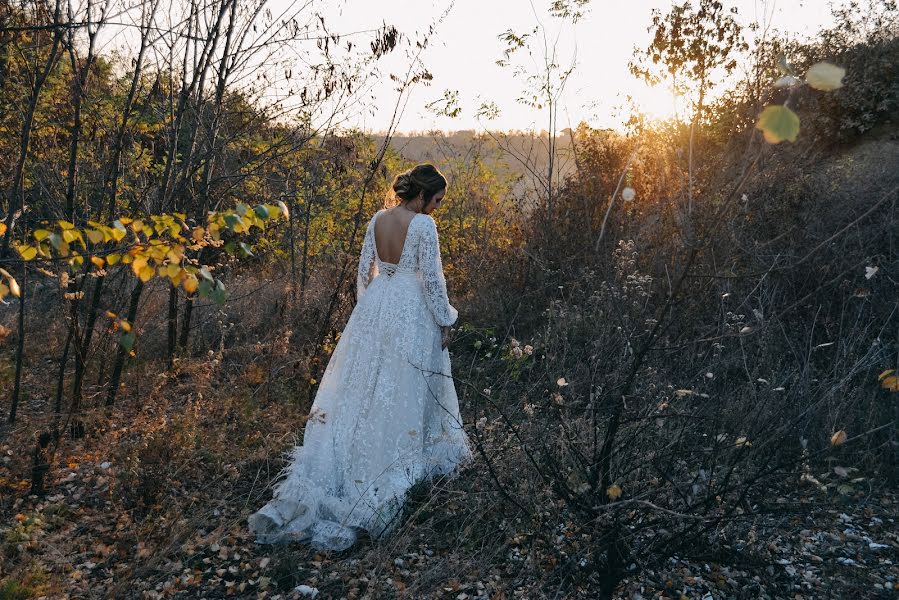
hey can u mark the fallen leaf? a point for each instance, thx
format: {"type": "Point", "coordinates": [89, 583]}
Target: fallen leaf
{"type": "Point", "coordinates": [614, 491]}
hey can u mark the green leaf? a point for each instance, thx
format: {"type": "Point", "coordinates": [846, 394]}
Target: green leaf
{"type": "Point", "coordinates": [218, 292]}
{"type": "Point", "coordinates": [825, 76]}
{"type": "Point", "coordinates": [204, 288]}
{"type": "Point", "coordinates": [262, 212]}
{"type": "Point", "coordinates": [232, 221]}
{"type": "Point", "coordinates": [246, 248]}
{"type": "Point", "coordinates": [778, 123]}
{"type": "Point", "coordinates": [127, 340]}
{"type": "Point", "coordinates": [205, 274]}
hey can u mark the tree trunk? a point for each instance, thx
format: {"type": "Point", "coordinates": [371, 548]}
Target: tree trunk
{"type": "Point", "coordinates": [122, 353]}
{"type": "Point", "coordinates": [60, 380]}
{"type": "Point", "coordinates": [172, 326]}
{"type": "Point", "coordinates": [185, 323]}
{"type": "Point", "coordinates": [84, 346]}
{"type": "Point", "coordinates": [20, 350]}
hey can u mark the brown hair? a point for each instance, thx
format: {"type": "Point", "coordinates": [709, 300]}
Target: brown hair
{"type": "Point", "coordinates": [422, 179]}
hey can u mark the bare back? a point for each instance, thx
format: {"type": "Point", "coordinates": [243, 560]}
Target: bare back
{"type": "Point", "coordinates": [391, 228]}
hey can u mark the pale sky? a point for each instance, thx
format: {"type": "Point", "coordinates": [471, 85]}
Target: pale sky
{"type": "Point", "coordinates": [465, 47]}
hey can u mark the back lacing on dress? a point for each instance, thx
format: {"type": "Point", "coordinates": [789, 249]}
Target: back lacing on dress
{"type": "Point", "coordinates": [391, 269]}
{"type": "Point", "coordinates": [387, 268]}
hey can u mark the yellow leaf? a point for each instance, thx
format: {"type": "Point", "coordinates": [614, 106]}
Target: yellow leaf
{"type": "Point", "coordinates": [3, 290]}
{"type": "Point", "coordinates": [2, 228]}
{"type": "Point", "coordinates": [175, 254]}
{"type": "Point", "coordinates": [197, 234]}
{"type": "Point", "coordinates": [891, 384]}
{"type": "Point", "coordinates": [69, 236]}
{"type": "Point", "coordinates": [96, 237]}
{"type": "Point", "coordinates": [113, 259]}
{"type": "Point", "coordinates": [190, 283]}
{"type": "Point", "coordinates": [27, 252]}
{"type": "Point", "coordinates": [98, 262]}
{"type": "Point", "coordinates": [778, 123]}
{"type": "Point", "coordinates": [825, 76]}
{"type": "Point", "coordinates": [137, 226]}
{"type": "Point", "coordinates": [40, 234]}
{"type": "Point", "coordinates": [146, 273]}
{"type": "Point", "coordinates": [838, 438]}
{"type": "Point", "coordinates": [172, 270]}
{"type": "Point", "coordinates": [111, 314]}
{"type": "Point", "coordinates": [614, 491]}
{"type": "Point", "coordinates": [884, 374]}
{"type": "Point", "coordinates": [65, 224]}
{"type": "Point", "coordinates": [138, 264]}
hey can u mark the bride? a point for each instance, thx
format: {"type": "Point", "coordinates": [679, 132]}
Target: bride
{"type": "Point", "coordinates": [386, 413]}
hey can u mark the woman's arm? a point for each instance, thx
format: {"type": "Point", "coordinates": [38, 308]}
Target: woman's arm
{"type": "Point", "coordinates": [368, 266]}
{"type": "Point", "coordinates": [433, 279]}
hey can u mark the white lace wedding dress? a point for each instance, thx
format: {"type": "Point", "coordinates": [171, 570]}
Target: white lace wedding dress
{"type": "Point", "coordinates": [386, 413]}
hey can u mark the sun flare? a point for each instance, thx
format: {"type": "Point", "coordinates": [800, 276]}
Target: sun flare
{"type": "Point", "coordinates": [657, 102]}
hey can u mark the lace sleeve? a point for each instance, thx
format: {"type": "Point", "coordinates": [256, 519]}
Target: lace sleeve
{"type": "Point", "coordinates": [368, 266]}
{"type": "Point", "coordinates": [432, 275]}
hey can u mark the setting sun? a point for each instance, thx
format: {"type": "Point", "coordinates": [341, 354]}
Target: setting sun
{"type": "Point", "coordinates": [656, 102]}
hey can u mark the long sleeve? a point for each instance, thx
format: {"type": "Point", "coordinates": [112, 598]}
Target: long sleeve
{"type": "Point", "coordinates": [368, 266]}
{"type": "Point", "coordinates": [434, 282]}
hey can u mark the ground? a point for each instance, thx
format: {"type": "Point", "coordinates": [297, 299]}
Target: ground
{"type": "Point", "coordinates": [152, 503]}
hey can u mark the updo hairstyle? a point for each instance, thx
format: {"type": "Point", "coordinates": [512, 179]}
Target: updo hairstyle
{"type": "Point", "coordinates": [421, 178]}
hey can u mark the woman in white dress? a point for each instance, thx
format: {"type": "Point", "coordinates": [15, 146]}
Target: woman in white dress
{"type": "Point", "coordinates": [386, 415]}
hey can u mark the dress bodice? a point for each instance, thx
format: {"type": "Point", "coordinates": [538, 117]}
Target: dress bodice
{"type": "Point", "coordinates": [407, 261]}
{"type": "Point", "coordinates": [420, 256]}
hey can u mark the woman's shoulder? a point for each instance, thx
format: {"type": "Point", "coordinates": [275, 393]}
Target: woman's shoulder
{"type": "Point", "coordinates": [371, 221]}
{"type": "Point", "coordinates": [426, 220]}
